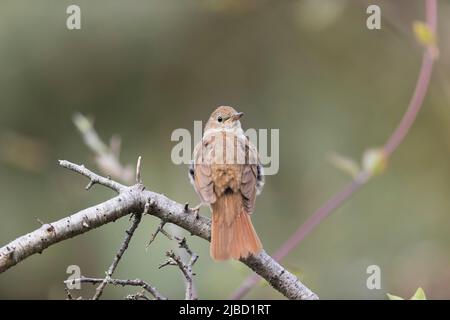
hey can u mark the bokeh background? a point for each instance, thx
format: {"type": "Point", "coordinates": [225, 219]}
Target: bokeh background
{"type": "Point", "coordinates": [310, 68]}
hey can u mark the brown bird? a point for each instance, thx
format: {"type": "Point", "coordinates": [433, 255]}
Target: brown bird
{"type": "Point", "coordinates": [227, 175]}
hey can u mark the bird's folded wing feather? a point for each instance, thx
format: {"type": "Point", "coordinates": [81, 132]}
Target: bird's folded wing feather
{"type": "Point", "coordinates": [202, 172]}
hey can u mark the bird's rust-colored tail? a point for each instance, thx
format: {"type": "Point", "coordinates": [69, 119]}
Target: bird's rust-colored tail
{"type": "Point", "coordinates": [232, 232]}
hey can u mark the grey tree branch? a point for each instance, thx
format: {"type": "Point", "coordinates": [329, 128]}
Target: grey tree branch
{"type": "Point", "coordinates": [136, 217]}
{"type": "Point", "coordinates": [137, 296]}
{"type": "Point", "coordinates": [158, 230]}
{"type": "Point", "coordinates": [93, 177]}
{"type": "Point", "coordinates": [186, 268]}
{"type": "Point", "coordinates": [108, 161]}
{"type": "Point", "coordinates": [106, 157]}
{"type": "Point", "coordinates": [119, 282]}
{"type": "Point", "coordinates": [136, 199]}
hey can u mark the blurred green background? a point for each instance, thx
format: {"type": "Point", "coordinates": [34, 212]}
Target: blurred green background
{"type": "Point", "coordinates": [310, 68]}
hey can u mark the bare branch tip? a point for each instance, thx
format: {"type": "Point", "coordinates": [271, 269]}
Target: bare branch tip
{"type": "Point", "coordinates": [39, 221]}
{"type": "Point", "coordinates": [90, 184]}
{"type": "Point", "coordinates": [138, 170]}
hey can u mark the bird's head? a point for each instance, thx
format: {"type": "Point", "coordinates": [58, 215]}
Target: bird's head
{"type": "Point", "coordinates": [224, 117]}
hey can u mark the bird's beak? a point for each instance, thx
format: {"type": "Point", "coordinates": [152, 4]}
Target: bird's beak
{"type": "Point", "coordinates": [237, 116]}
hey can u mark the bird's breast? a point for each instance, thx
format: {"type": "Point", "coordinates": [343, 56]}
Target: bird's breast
{"type": "Point", "coordinates": [224, 151]}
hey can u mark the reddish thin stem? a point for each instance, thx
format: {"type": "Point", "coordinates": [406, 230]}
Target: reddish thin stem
{"type": "Point", "coordinates": [416, 102]}
{"type": "Point", "coordinates": [391, 145]}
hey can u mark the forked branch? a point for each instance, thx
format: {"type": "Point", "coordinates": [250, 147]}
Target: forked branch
{"type": "Point", "coordinates": [137, 199]}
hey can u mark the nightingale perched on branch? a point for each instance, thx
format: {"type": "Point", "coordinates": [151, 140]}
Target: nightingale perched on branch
{"type": "Point", "coordinates": [227, 175]}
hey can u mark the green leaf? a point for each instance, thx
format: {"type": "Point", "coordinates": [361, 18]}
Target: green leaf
{"type": "Point", "coordinates": [393, 297]}
{"type": "Point", "coordinates": [419, 295]}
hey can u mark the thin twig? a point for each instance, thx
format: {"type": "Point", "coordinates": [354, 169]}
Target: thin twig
{"type": "Point", "coordinates": [363, 177]}
{"type": "Point", "coordinates": [182, 244]}
{"type": "Point", "coordinates": [119, 282]}
{"type": "Point", "coordinates": [138, 170]}
{"type": "Point", "coordinates": [158, 230]}
{"type": "Point", "coordinates": [39, 221]}
{"type": "Point", "coordinates": [93, 177]}
{"type": "Point", "coordinates": [106, 157]}
{"type": "Point", "coordinates": [137, 296]}
{"type": "Point", "coordinates": [186, 268]}
{"type": "Point", "coordinates": [129, 234]}
{"type": "Point", "coordinates": [67, 291]}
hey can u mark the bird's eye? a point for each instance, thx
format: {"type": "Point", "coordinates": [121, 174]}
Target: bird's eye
{"type": "Point", "coordinates": [219, 119]}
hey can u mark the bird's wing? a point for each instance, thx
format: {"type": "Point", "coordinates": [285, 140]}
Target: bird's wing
{"type": "Point", "coordinates": [202, 178]}
{"type": "Point", "coordinates": [251, 177]}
